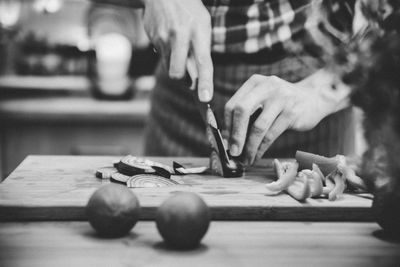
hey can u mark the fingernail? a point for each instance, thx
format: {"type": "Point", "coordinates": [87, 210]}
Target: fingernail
{"type": "Point", "coordinates": [204, 96]}
{"type": "Point", "coordinates": [175, 75]}
{"type": "Point", "coordinates": [234, 150]}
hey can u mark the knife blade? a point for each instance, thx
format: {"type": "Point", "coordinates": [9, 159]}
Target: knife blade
{"type": "Point", "coordinates": [230, 167]}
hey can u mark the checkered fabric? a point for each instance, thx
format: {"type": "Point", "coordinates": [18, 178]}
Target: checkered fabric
{"type": "Point", "coordinates": [248, 26]}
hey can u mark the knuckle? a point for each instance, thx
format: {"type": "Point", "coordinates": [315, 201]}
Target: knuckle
{"type": "Point", "coordinates": [162, 36]}
{"type": "Point", "coordinates": [268, 139]}
{"type": "Point", "coordinates": [236, 138]}
{"type": "Point", "coordinates": [204, 61]}
{"type": "Point", "coordinates": [257, 77]}
{"type": "Point", "coordinates": [240, 110]}
{"type": "Point", "coordinates": [289, 114]}
{"type": "Point", "coordinates": [181, 31]}
{"type": "Point", "coordinates": [173, 32]}
{"type": "Point", "coordinates": [273, 82]}
{"type": "Point", "coordinates": [258, 128]}
{"type": "Point", "coordinates": [273, 78]}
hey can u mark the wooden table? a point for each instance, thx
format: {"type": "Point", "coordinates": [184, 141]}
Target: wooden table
{"type": "Point", "coordinates": [42, 237]}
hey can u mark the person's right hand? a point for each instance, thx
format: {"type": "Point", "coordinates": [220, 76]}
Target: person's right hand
{"type": "Point", "coordinates": [178, 28]}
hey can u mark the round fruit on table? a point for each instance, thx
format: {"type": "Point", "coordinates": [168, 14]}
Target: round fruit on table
{"type": "Point", "coordinates": [183, 220]}
{"type": "Point", "coordinates": [113, 210]}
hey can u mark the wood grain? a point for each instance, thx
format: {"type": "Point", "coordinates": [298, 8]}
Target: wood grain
{"type": "Point", "coordinates": [326, 244]}
{"type": "Point", "coordinates": [58, 188]}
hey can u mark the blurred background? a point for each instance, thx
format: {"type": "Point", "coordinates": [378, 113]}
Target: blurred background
{"type": "Point", "coordinates": [75, 79]}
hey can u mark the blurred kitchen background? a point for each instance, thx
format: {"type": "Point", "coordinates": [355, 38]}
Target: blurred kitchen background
{"type": "Point", "coordinates": [75, 79]}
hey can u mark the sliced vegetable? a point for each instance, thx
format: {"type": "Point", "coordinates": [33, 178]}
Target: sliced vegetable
{"type": "Point", "coordinates": [351, 176]}
{"type": "Point", "coordinates": [149, 180]}
{"type": "Point", "coordinates": [179, 169]}
{"type": "Point", "coordinates": [326, 165]}
{"type": "Point", "coordinates": [115, 163]}
{"type": "Point", "coordinates": [316, 169]}
{"type": "Point", "coordinates": [339, 187]}
{"type": "Point", "coordinates": [130, 165]}
{"type": "Point", "coordinates": [328, 177]}
{"type": "Point", "coordinates": [300, 188]}
{"type": "Point", "coordinates": [314, 181]}
{"type": "Point", "coordinates": [215, 164]}
{"type": "Point", "coordinates": [278, 167]}
{"type": "Point", "coordinates": [105, 172]}
{"type": "Point", "coordinates": [329, 184]}
{"type": "Point", "coordinates": [230, 167]}
{"type": "Point", "coordinates": [286, 175]}
{"type": "Point", "coordinates": [119, 178]}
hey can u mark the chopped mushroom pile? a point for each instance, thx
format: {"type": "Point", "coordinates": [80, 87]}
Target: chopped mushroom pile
{"type": "Point", "coordinates": [311, 182]}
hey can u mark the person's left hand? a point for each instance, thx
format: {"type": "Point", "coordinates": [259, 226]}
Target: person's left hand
{"type": "Point", "coordinates": [284, 106]}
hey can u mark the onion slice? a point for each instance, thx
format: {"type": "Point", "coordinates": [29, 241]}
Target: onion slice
{"type": "Point", "coordinates": [119, 178]}
{"type": "Point", "coordinates": [179, 169]}
{"type": "Point", "coordinates": [105, 172]}
{"type": "Point", "coordinates": [149, 180]}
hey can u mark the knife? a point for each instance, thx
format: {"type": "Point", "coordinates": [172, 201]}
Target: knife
{"type": "Point", "coordinates": [229, 167]}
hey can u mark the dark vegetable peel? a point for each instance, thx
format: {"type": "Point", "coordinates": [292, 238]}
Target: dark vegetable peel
{"type": "Point", "coordinates": [221, 162]}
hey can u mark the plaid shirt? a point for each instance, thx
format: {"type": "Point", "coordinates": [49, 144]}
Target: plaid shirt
{"type": "Point", "coordinates": [248, 26]}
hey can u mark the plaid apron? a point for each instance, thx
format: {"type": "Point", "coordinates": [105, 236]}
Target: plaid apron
{"type": "Point", "coordinates": [175, 127]}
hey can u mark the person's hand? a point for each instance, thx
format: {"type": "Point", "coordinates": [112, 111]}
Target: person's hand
{"type": "Point", "coordinates": [178, 28]}
{"type": "Point", "coordinates": [284, 106]}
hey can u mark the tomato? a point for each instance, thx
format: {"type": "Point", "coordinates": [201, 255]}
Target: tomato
{"type": "Point", "coordinates": [113, 210]}
{"type": "Point", "coordinates": [183, 220]}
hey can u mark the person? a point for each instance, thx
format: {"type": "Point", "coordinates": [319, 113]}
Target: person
{"type": "Point", "coordinates": [248, 54]}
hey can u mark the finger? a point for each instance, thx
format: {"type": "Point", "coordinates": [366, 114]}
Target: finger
{"type": "Point", "coordinates": [202, 55]}
{"type": "Point", "coordinates": [240, 121]}
{"type": "Point", "coordinates": [179, 54]}
{"type": "Point", "coordinates": [280, 125]}
{"type": "Point", "coordinates": [260, 128]}
{"type": "Point", "coordinates": [252, 82]}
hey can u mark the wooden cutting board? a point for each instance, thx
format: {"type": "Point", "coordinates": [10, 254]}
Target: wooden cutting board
{"type": "Point", "coordinates": [58, 188]}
